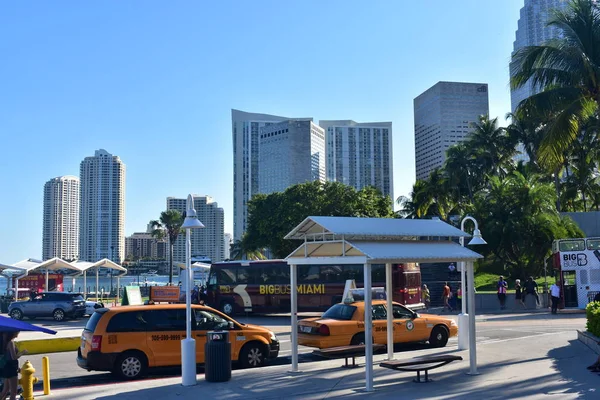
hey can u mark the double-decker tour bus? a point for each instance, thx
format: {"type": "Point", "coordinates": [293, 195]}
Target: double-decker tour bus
{"type": "Point", "coordinates": [576, 266]}
{"type": "Point", "coordinates": [264, 286]}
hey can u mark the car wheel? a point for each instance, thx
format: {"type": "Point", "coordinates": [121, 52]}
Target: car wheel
{"type": "Point", "coordinates": [16, 314]}
{"type": "Point", "coordinates": [252, 355]}
{"type": "Point", "coordinates": [227, 308]}
{"type": "Point", "coordinates": [131, 365]}
{"type": "Point", "coordinates": [358, 339]}
{"type": "Point", "coordinates": [58, 315]}
{"type": "Point", "coordinates": [439, 337]}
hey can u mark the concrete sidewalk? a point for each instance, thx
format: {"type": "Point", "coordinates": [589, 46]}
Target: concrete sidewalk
{"type": "Point", "coordinates": [551, 364]}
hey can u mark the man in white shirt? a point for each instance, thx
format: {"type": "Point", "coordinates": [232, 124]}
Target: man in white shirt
{"type": "Point", "coordinates": [555, 293]}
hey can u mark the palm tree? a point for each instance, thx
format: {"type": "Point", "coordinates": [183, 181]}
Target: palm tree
{"type": "Point", "coordinates": [239, 251]}
{"type": "Point", "coordinates": [460, 167]}
{"type": "Point", "coordinates": [567, 70]}
{"type": "Point", "coordinates": [492, 146]}
{"type": "Point", "coordinates": [168, 225]}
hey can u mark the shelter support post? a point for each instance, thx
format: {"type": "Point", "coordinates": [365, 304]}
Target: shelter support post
{"type": "Point", "coordinates": [16, 288]}
{"type": "Point", "coordinates": [118, 289]}
{"type": "Point", "coordinates": [471, 297]}
{"type": "Point", "coordinates": [97, 283]}
{"type": "Point", "coordinates": [368, 329]}
{"type": "Point", "coordinates": [47, 288]}
{"type": "Point", "coordinates": [85, 284]}
{"type": "Point", "coordinates": [390, 314]}
{"type": "Point", "coordinates": [294, 314]}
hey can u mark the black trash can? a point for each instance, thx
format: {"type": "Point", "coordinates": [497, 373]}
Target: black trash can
{"type": "Point", "coordinates": [217, 356]}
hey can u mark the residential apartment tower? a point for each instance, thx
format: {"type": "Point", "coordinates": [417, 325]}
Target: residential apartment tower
{"type": "Point", "coordinates": [60, 234]}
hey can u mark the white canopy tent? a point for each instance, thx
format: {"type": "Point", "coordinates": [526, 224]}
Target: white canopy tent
{"type": "Point", "coordinates": [367, 241]}
{"type": "Point", "coordinates": [84, 266]}
{"type": "Point", "coordinates": [10, 271]}
{"type": "Point", "coordinates": [25, 267]}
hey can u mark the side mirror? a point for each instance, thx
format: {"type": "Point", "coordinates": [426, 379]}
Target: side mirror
{"type": "Point", "coordinates": [230, 325]}
{"type": "Point", "coordinates": [415, 315]}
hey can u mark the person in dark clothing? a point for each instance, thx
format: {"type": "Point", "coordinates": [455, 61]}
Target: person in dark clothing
{"type": "Point", "coordinates": [597, 297]}
{"type": "Point", "coordinates": [519, 293]}
{"type": "Point", "coordinates": [531, 287]}
{"type": "Point", "coordinates": [10, 371]}
{"type": "Point", "coordinates": [502, 288]}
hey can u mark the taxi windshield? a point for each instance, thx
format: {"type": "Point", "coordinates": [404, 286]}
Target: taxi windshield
{"type": "Point", "coordinates": [341, 312]}
{"type": "Point", "coordinates": [205, 320]}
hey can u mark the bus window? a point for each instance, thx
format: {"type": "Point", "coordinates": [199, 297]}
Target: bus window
{"type": "Point", "coordinates": [378, 273]}
{"type": "Point", "coordinates": [412, 279]}
{"type": "Point", "coordinates": [247, 276]}
{"type": "Point", "coordinates": [226, 276]}
{"type": "Point", "coordinates": [331, 273]}
{"type": "Point", "coordinates": [353, 272]}
{"type": "Point", "coordinates": [571, 245]}
{"type": "Point", "coordinates": [593, 244]}
{"type": "Point", "coordinates": [308, 273]}
{"type": "Point", "coordinates": [212, 278]}
{"type": "Point", "coordinates": [275, 274]}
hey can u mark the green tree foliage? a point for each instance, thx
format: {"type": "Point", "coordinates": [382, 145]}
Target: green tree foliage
{"type": "Point", "coordinates": [273, 216]}
{"type": "Point", "coordinates": [168, 225]}
{"type": "Point", "coordinates": [568, 72]}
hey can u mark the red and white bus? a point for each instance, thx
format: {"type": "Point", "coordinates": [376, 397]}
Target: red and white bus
{"type": "Point", "coordinates": [264, 286]}
{"type": "Point", "coordinates": [576, 265]}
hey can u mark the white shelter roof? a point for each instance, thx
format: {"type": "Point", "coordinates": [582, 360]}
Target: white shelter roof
{"type": "Point", "coordinates": [194, 265]}
{"type": "Point", "coordinates": [374, 228]}
{"type": "Point", "coordinates": [383, 252]}
{"type": "Point", "coordinates": [55, 264]}
{"type": "Point", "coordinates": [83, 265]}
{"type": "Point", "coordinates": [106, 263]}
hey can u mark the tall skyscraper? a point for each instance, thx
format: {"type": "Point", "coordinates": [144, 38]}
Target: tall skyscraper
{"type": "Point", "coordinates": [290, 152]}
{"type": "Point", "coordinates": [532, 30]}
{"type": "Point", "coordinates": [208, 241]}
{"type": "Point", "coordinates": [144, 245]}
{"type": "Point", "coordinates": [444, 115]}
{"type": "Point", "coordinates": [102, 208]}
{"type": "Point", "coordinates": [246, 129]}
{"type": "Point", "coordinates": [360, 154]}
{"type": "Point", "coordinates": [60, 236]}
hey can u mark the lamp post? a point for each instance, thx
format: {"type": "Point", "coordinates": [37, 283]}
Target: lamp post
{"type": "Point", "coordinates": [463, 317]}
{"type": "Point", "coordinates": [112, 250]}
{"type": "Point", "coordinates": [188, 345]}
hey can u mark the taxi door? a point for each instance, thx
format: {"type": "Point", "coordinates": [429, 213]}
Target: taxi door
{"type": "Point", "coordinates": [379, 324]}
{"type": "Point", "coordinates": [407, 328]}
{"type": "Point", "coordinates": [204, 322]}
{"type": "Point", "coordinates": [166, 329]}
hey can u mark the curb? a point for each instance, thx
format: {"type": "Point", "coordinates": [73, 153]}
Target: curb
{"type": "Point", "coordinates": [55, 345]}
{"type": "Point", "coordinates": [589, 340]}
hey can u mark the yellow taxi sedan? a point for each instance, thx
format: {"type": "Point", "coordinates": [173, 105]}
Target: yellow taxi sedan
{"type": "Point", "coordinates": [343, 325]}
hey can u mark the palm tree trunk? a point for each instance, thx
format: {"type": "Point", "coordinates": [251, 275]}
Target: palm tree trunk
{"type": "Point", "coordinates": [557, 186]}
{"type": "Point", "coordinates": [171, 264]}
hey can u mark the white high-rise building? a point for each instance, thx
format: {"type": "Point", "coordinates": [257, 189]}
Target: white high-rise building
{"type": "Point", "coordinates": [290, 152]}
{"type": "Point", "coordinates": [532, 30]}
{"type": "Point", "coordinates": [228, 242]}
{"type": "Point", "coordinates": [246, 130]}
{"type": "Point", "coordinates": [102, 208]}
{"type": "Point", "coordinates": [444, 115]}
{"type": "Point", "coordinates": [360, 154]}
{"type": "Point", "coordinates": [60, 234]}
{"type": "Point", "coordinates": [208, 242]}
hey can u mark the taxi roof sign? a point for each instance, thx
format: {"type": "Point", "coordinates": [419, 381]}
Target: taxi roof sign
{"type": "Point", "coordinates": [377, 293]}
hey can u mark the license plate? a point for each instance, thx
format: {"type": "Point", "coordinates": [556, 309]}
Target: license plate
{"type": "Point", "coordinates": [305, 329]}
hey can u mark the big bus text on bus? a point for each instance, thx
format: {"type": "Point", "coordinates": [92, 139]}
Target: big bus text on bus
{"type": "Point", "coordinates": [264, 286]}
{"type": "Point", "coordinates": [576, 265]}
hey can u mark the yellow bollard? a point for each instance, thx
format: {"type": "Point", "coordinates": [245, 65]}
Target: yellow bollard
{"type": "Point", "coordinates": [27, 380]}
{"type": "Point", "coordinates": [46, 375]}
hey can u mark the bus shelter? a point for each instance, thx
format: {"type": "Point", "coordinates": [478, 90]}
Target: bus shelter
{"type": "Point", "coordinates": [367, 241]}
{"type": "Point", "coordinates": [84, 266]}
{"type": "Point", "coordinates": [26, 267]}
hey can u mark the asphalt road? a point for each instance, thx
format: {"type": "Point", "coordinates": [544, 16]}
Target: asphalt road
{"type": "Point", "coordinates": [64, 371]}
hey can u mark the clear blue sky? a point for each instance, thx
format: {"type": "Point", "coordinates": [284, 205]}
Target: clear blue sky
{"type": "Point", "coordinates": [154, 82]}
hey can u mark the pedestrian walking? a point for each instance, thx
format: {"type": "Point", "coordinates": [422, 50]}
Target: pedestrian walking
{"type": "Point", "coordinates": [555, 297]}
{"type": "Point", "coordinates": [446, 296]}
{"type": "Point", "coordinates": [10, 368]}
{"type": "Point", "coordinates": [531, 288]}
{"type": "Point", "coordinates": [502, 289]}
{"type": "Point", "coordinates": [426, 297]}
{"type": "Point", "coordinates": [519, 293]}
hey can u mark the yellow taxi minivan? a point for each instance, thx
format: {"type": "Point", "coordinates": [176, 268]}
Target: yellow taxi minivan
{"type": "Point", "coordinates": [130, 339]}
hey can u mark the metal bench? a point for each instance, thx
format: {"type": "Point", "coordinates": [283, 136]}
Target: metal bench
{"type": "Point", "coordinates": [347, 352]}
{"type": "Point", "coordinates": [419, 364]}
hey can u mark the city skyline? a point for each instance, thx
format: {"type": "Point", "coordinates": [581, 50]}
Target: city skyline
{"type": "Point", "coordinates": [142, 92]}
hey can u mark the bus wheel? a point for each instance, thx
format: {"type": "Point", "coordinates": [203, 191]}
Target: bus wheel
{"type": "Point", "coordinates": [227, 308]}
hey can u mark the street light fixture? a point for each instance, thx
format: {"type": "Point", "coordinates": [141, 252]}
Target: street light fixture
{"type": "Point", "coordinates": [463, 317]}
{"type": "Point", "coordinates": [188, 344]}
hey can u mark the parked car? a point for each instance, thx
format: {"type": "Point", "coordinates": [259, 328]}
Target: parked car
{"type": "Point", "coordinates": [343, 325]}
{"type": "Point", "coordinates": [57, 305]}
{"type": "Point", "coordinates": [92, 306]}
{"type": "Point", "coordinates": [130, 339]}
